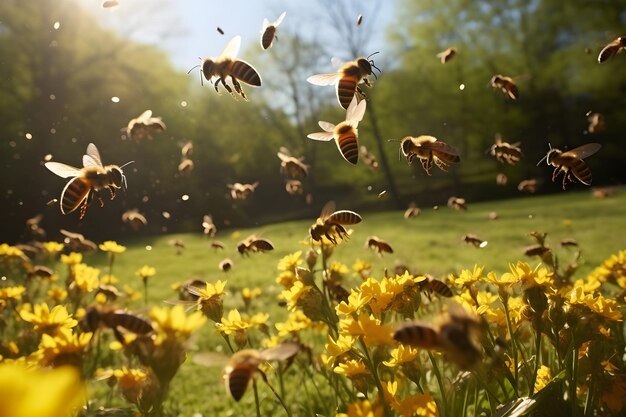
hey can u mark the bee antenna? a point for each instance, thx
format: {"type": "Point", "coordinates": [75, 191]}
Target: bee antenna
{"type": "Point", "coordinates": [193, 68]}
{"type": "Point", "coordinates": [372, 54]}
{"type": "Point", "coordinates": [127, 163]}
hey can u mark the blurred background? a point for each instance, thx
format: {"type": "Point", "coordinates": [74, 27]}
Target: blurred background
{"type": "Point", "coordinates": [73, 72]}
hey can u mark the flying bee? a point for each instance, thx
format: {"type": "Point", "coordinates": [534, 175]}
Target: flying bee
{"type": "Point", "coordinates": [528, 186]}
{"type": "Point", "coordinates": [537, 250]}
{"type": "Point", "coordinates": [378, 245]}
{"type": "Point", "coordinates": [359, 20]}
{"type": "Point", "coordinates": [457, 335]}
{"type": "Point", "coordinates": [218, 70]}
{"type": "Point", "coordinates": [446, 55]}
{"type": "Point", "coordinates": [368, 158]}
{"type": "Point", "coordinates": [330, 223]}
{"type": "Point", "coordinates": [239, 191]}
{"type": "Point", "coordinates": [111, 292]}
{"type": "Point", "coordinates": [216, 244]}
{"type": "Point", "coordinates": [457, 203]}
{"type": "Point", "coordinates": [346, 134]}
{"type": "Point", "coordinates": [348, 78]}
{"type": "Point", "coordinates": [294, 187]}
{"type": "Point", "coordinates": [186, 150]}
{"type": "Point", "coordinates": [107, 4]}
{"type": "Point", "coordinates": [220, 30]}
{"type": "Point", "coordinates": [505, 152]}
{"type": "Point", "coordinates": [178, 244]}
{"type": "Point", "coordinates": [209, 228]}
{"type": "Point", "coordinates": [475, 240]}
{"type": "Point", "coordinates": [506, 85]}
{"type": "Point", "coordinates": [134, 219]}
{"type": "Point", "coordinates": [185, 166]}
{"type": "Point", "coordinates": [569, 243]}
{"type": "Point", "coordinates": [612, 49]}
{"type": "Point", "coordinates": [268, 33]}
{"type": "Point", "coordinates": [602, 192]}
{"type": "Point", "coordinates": [87, 181]}
{"type": "Point", "coordinates": [501, 179]}
{"type": "Point", "coordinates": [411, 211]}
{"type": "Point", "coordinates": [97, 317]}
{"type": "Point", "coordinates": [432, 285]}
{"type": "Point", "coordinates": [253, 243]}
{"type": "Point", "coordinates": [243, 365]}
{"type": "Point", "coordinates": [571, 163]}
{"type": "Point", "coordinates": [428, 149]}
{"type": "Point", "coordinates": [291, 166]}
{"type": "Point", "coordinates": [77, 242]}
{"type": "Point", "coordinates": [596, 122]}
{"type": "Point", "coordinates": [142, 126]}
{"type": "Point", "coordinates": [225, 264]}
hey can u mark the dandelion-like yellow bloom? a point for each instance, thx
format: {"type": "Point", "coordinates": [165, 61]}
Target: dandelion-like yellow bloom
{"type": "Point", "coordinates": [529, 277]}
{"type": "Point", "coordinates": [72, 258]}
{"type": "Point", "coordinates": [290, 262]}
{"type": "Point", "coordinates": [467, 277]}
{"type": "Point", "coordinates": [57, 294]}
{"type": "Point", "coordinates": [52, 247]}
{"type": "Point", "coordinates": [286, 279]}
{"type": "Point", "coordinates": [131, 293]}
{"type": "Point", "coordinates": [65, 347]}
{"type": "Point", "coordinates": [250, 294]}
{"type": "Point", "coordinates": [10, 251]}
{"type": "Point", "coordinates": [504, 280]}
{"type": "Point", "coordinates": [422, 405]}
{"type": "Point", "coordinates": [86, 277]}
{"type": "Point", "coordinates": [210, 300]}
{"type": "Point", "coordinates": [296, 322]}
{"type": "Point", "coordinates": [598, 304]}
{"type": "Point", "coordinates": [368, 327]}
{"type": "Point", "coordinates": [543, 377]}
{"type": "Point", "coordinates": [356, 301]}
{"type": "Point", "coordinates": [363, 409]}
{"type": "Point", "coordinates": [362, 268]}
{"type": "Point", "coordinates": [336, 271]}
{"type": "Point", "coordinates": [401, 355]}
{"type": "Point", "coordinates": [173, 322]}
{"type": "Point", "coordinates": [336, 348]}
{"type": "Point", "coordinates": [26, 392]}
{"type": "Point", "coordinates": [11, 293]}
{"type": "Point", "coordinates": [45, 320]}
{"type": "Point", "coordinates": [145, 272]}
{"type": "Point", "coordinates": [292, 295]}
{"type": "Point", "coordinates": [112, 247]}
{"type": "Point", "coordinates": [109, 279]}
{"type": "Point", "coordinates": [233, 323]}
{"type": "Point", "coordinates": [259, 319]}
{"type": "Point", "coordinates": [351, 369]}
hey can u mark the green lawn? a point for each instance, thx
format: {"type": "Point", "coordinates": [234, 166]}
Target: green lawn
{"type": "Point", "coordinates": [431, 243]}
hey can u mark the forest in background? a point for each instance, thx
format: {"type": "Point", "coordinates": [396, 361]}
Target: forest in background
{"type": "Point", "coordinates": [56, 86]}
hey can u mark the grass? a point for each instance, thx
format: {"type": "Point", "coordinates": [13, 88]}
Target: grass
{"type": "Point", "coordinates": [431, 243]}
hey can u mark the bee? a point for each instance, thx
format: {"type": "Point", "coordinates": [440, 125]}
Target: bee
{"type": "Point", "coordinates": [346, 134]}
{"type": "Point", "coordinates": [243, 365]}
{"type": "Point", "coordinates": [529, 186]}
{"type": "Point", "coordinates": [368, 158]}
{"type": "Point", "coordinates": [178, 244]}
{"type": "Point", "coordinates": [378, 245]}
{"type": "Point", "coordinates": [38, 271]}
{"type": "Point", "coordinates": [135, 219]}
{"type": "Point", "coordinates": [268, 33]}
{"type": "Point", "coordinates": [185, 166]}
{"type": "Point", "coordinates": [96, 317]}
{"type": "Point", "coordinates": [225, 264]}
{"type": "Point", "coordinates": [501, 179]}
{"type": "Point", "coordinates": [505, 152]}
{"type": "Point", "coordinates": [87, 181]}
{"type": "Point", "coordinates": [77, 242]}
{"type": "Point", "coordinates": [411, 211]}
{"type": "Point", "coordinates": [506, 85]}
{"type": "Point", "coordinates": [493, 215]}
{"type": "Point", "coordinates": [142, 126]}
{"type": "Point", "coordinates": [111, 292]}
{"type": "Point", "coordinates": [446, 55]}
{"type": "Point", "coordinates": [348, 78]}
{"type": "Point", "coordinates": [209, 228]}
{"type": "Point", "coordinates": [457, 203]}
{"type": "Point", "coordinates": [186, 150]}
{"type": "Point", "coordinates": [109, 3]}
{"type": "Point", "coordinates": [330, 223]}
{"type": "Point", "coordinates": [612, 49]}
{"type": "Point", "coordinates": [432, 285]}
{"type": "Point", "coordinates": [571, 163]}
{"type": "Point", "coordinates": [184, 292]}
{"type": "Point", "coordinates": [220, 31]}
{"type": "Point", "coordinates": [537, 250]}
{"type": "Point", "coordinates": [569, 243]}
{"type": "Point", "coordinates": [34, 229]}
{"type": "Point", "coordinates": [602, 192]}
{"type": "Point", "coordinates": [596, 123]}
{"type": "Point", "coordinates": [359, 20]}
{"type": "Point", "coordinates": [239, 191]}
{"type": "Point", "coordinates": [291, 166]}
{"type": "Point", "coordinates": [253, 243]}
{"type": "Point", "coordinates": [216, 244]}
{"type": "Point", "coordinates": [428, 149]}
{"type": "Point", "coordinates": [294, 187]}
{"type": "Point", "coordinates": [475, 240]}
{"type": "Point", "coordinates": [226, 66]}
{"type": "Point", "coordinates": [456, 334]}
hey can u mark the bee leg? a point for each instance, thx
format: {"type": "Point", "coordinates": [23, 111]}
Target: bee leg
{"type": "Point", "coordinates": [112, 191]}
{"type": "Point", "coordinates": [361, 93]}
{"type": "Point", "coordinates": [440, 164]}
{"type": "Point", "coordinates": [238, 89]}
{"type": "Point", "coordinates": [83, 208]}
{"type": "Point", "coordinates": [118, 335]}
{"type": "Point", "coordinates": [426, 164]}
{"type": "Point", "coordinates": [367, 82]}
{"type": "Point", "coordinates": [555, 173]}
{"type": "Point", "coordinates": [215, 86]}
{"type": "Point", "coordinates": [227, 87]}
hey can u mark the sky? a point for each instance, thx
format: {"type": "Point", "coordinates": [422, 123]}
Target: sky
{"type": "Point", "coordinates": [187, 29]}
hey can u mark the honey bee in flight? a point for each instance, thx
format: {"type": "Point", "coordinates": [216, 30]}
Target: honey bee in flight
{"type": "Point", "coordinates": [457, 335]}
{"type": "Point", "coordinates": [571, 163]}
{"type": "Point", "coordinates": [253, 243]}
{"type": "Point", "coordinates": [291, 166]}
{"type": "Point", "coordinates": [134, 219]}
{"type": "Point", "coordinates": [348, 78]}
{"type": "Point", "coordinates": [243, 365]}
{"type": "Point", "coordinates": [209, 228]}
{"type": "Point", "coordinates": [97, 317]}
{"type": "Point", "coordinates": [142, 126]}
{"type": "Point", "coordinates": [446, 55]}
{"type": "Point", "coordinates": [87, 181]}
{"type": "Point", "coordinates": [346, 134]}
{"type": "Point", "coordinates": [506, 85]}
{"type": "Point", "coordinates": [596, 122]}
{"type": "Point", "coordinates": [330, 223]}
{"type": "Point", "coordinates": [294, 187]}
{"type": "Point", "coordinates": [475, 240]}
{"type": "Point", "coordinates": [428, 149]}
{"type": "Point", "coordinates": [218, 70]}
{"type": "Point", "coordinates": [457, 203]}
{"type": "Point", "coordinates": [432, 285]}
{"type": "Point", "coordinates": [239, 191]}
{"type": "Point", "coordinates": [612, 49]}
{"type": "Point", "coordinates": [505, 152]}
{"type": "Point", "coordinates": [378, 245]}
{"type": "Point", "coordinates": [268, 33]}
{"type": "Point", "coordinates": [528, 186]}
{"type": "Point", "coordinates": [411, 211]}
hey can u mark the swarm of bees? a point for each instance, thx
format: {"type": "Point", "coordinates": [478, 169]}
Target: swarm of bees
{"type": "Point", "coordinates": [239, 191]}
{"type": "Point", "coordinates": [457, 334]}
{"type": "Point", "coordinates": [612, 48]}
{"type": "Point", "coordinates": [134, 219]}
{"type": "Point", "coordinates": [571, 163]}
{"type": "Point", "coordinates": [226, 66]}
{"type": "Point", "coordinates": [378, 245]}
{"type": "Point", "coordinates": [268, 32]}
{"type": "Point", "coordinates": [346, 134]}
{"type": "Point", "coordinates": [330, 223]}
{"type": "Point", "coordinates": [254, 244]}
{"type": "Point", "coordinates": [428, 149]}
{"type": "Point", "coordinates": [506, 85]}
{"type": "Point", "coordinates": [447, 55]}
{"type": "Point", "coordinates": [143, 126]}
{"type": "Point", "coordinates": [505, 152]}
{"type": "Point", "coordinates": [86, 182]}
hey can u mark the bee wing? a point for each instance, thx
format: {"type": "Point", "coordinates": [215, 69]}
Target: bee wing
{"type": "Point", "coordinates": [232, 48]}
{"type": "Point", "coordinates": [145, 115]}
{"type": "Point", "coordinates": [355, 111]}
{"type": "Point", "coordinates": [281, 352]}
{"type": "Point", "coordinates": [266, 23]}
{"type": "Point", "coordinates": [210, 359]}
{"type": "Point", "coordinates": [583, 151]}
{"type": "Point", "coordinates": [327, 127]}
{"type": "Point", "coordinates": [280, 19]}
{"type": "Point", "coordinates": [62, 170]}
{"type": "Point", "coordinates": [328, 209]}
{"type": "Point", "coordinates": [322, 136]}
{"type": "Point", "coordinates": [92, 158]}
{"type": "Point", "coordinates": [440, 147]}
{"type": "Point", "coordinates": [337, 62]}
{"type": "Point", "coordinates": [325, 79]}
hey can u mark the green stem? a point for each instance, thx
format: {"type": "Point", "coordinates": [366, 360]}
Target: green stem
{"type": "Point", "coordinates": [278, 397]}
{"type": "Point", "coordinates": [537, 362]}
{"type": "Point", "coordinates": [374, 372]}
{"type": "Point", "coordinates": [256, 398]}
{"type": "Point", "coordinates": [111, 258]}
{"type": "Point", "coordinates": [145, 291]}
{"type": "Point", "coordinates": [573, 379]}
{"type": "Point", "coordinates": [439, 382]}
{"type": "Point", "coordinates": [513, 346]}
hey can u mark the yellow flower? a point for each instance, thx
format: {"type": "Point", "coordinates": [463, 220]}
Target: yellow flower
{"type": "Point", "coordinates": [86, 277]}
{"type": "Point", "coordinates": [174, 322]}
{"type": "Point", "coordinates": [145, 272]}
{"type": "Point", "coordinates": [356, 301]}
{"type": "Point", "coordinates": [52, 247]}
{"type": "Point", "coordinates": [109, 279]}
{"type": "Point", "coordinates": [11, 293]}
{"type": "Point", "coordinates": [28, 392]}
{"type": "Point", "coordinates": [259, 319]}
{"type": "Point", "coordinates": [72, 258]}
{"type": "Point", "coordinates": [290, 262]}
{"type": "Point", "coordinates": [63, 348]}
{"type": "Point", "coordinates": [467, 277]}
{"type": "Point", "coordinates": [543, 377]}
{"type": "Point", "coordinates": [11, 251]}
{"type": "Point", "coordinates": [363, 409]}
{"type": "Point", "coordinates": [233, 323]}
{"type": "Point", "coordinates": [362, 268]}
{"type": "Point", "coordinates": [368, 327]}
{"type": "Point", "coordinates": [351, 368]}
{"type": "Point", "coordinates": [505, 280]}
{"type": "Point", "coordinates": [336, 348]}
{"type": "Point", "coordinates": [250, 294]}
{"type": "Point", "coordinates": [336, 271]}
{"type": "Point", "coordinates": [57, 294]}
{"type": "Point", "coordinates": [111, 247]}
{"type": "Point", "coordinates": [47, 321]}
{"type": "Point", "coordinates": [422, 405]}
{"type": "Point", "coordinates": [530, 278]}
{"type": "Point", "coordinates": [292, 295]}
{"type": "Point", "coordinates": [401, 355]}
{"type": "Point", "coordinates": [286, 279]}
{"type": "Point", "coordinates": [210, 300]}
{"type": "Point", "coordinates": [296, 322]}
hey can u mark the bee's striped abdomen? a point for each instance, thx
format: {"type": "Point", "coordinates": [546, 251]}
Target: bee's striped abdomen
{"type": "Point", "coordinates": [244, 72]}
